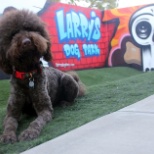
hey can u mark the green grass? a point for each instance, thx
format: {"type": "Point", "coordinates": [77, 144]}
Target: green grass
{"type": "Point", "coordinates": [108, 90]}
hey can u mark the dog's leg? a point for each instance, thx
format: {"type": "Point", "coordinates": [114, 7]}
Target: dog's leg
{"type": "Point", "coordinates": [70, 89]}
{"type": "Point", "coordinates": [43, 107]}
{"type": "Point", "coordinates": [11, 119]}
{"type": "Point", "coordinates": [9, 134]}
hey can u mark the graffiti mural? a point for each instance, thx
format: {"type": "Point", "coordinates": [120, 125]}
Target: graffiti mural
{"type": "Point", "coordinates": [78, 26]}
{"type": "Point", "coordinates": [124, 51]}
{"type": "Point", "coordinates": [87, 38]}
{"type": "Point", "coordinates": [80, 39]}
{"type": "Point", "coordinates": [136, 38]}
{"type": "Point", "coordinates": [142, 32]}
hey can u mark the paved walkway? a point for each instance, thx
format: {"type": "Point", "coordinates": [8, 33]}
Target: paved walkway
{"type": "Point", "coordinates": [127, 131]}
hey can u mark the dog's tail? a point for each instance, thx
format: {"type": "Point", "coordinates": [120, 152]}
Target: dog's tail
{"type": "Point", "coordinates": [82, 87]}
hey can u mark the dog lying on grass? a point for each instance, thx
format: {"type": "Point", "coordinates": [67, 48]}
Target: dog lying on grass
{"type": "Point", "coordinates": [23, 41]}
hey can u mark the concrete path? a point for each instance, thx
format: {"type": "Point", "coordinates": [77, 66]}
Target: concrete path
{"type": "Point", "coordinates": [127, 131]}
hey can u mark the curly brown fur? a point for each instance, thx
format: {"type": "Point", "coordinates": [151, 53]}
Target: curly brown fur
{"type": "Point", "coordinates": [23, 41]}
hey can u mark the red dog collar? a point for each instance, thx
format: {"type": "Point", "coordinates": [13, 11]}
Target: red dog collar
{"type": "Point", "coordinates": [23, 75]}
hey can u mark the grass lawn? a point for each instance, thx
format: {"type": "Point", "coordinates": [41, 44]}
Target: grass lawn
{"type": "Point", "coordinates": [108, 90]}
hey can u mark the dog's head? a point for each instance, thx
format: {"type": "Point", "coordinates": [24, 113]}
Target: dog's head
{"type": "Point", "coordinates": [23, 40]}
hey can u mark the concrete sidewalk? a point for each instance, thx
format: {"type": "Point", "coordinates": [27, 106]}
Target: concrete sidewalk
{"type": "Point", "coordinates": [127, 131]}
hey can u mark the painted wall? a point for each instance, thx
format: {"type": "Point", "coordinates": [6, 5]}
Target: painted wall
{"type": "Point", "coordinates": [80, 39]}
{"type": "Point", "coordinates": [133, 42]}
{"type": "Point", "coordinates": [86, 38]}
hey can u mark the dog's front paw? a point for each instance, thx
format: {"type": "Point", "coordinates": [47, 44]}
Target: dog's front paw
{"type": "Point", "coordinates": [28, 134]}
{"type": "Point", "coordinates": [8, 138]}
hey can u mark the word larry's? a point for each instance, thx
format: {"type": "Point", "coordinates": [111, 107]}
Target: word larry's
{"type": "Point", "coordinates": [72, 26]}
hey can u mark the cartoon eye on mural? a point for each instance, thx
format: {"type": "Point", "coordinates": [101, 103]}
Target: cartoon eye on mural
{"type": "Point", "coordinates": [141, 27]}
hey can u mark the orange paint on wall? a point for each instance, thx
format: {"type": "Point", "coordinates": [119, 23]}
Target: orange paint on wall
{"type": "Point", "coordinates": [124, 15]}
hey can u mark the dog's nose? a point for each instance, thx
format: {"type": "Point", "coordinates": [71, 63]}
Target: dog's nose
{"type": "Point", "coordinates": [26, 42]}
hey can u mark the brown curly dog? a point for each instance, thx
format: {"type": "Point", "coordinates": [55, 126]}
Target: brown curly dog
{"type": "Point", "coordinates": [23, 41]}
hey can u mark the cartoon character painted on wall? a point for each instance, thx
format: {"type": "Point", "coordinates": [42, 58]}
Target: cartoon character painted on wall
{"type": "Point", "coordinates": [135, 35]}
{"type": "Point", "coordinates": [142, 31]}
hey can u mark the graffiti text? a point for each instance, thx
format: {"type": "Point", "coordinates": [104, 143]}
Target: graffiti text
{"type": "Point", "coordinates": [77, 26]}
{"type": "Point", "coordinates": [91, 50]}
{"type": "Point", "coordinates": [72, 51]}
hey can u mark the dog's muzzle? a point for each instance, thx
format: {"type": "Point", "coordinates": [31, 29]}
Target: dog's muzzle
{"type": "Point", "coordinates": [26, 42]}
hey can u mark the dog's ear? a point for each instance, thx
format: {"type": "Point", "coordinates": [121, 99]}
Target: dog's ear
{"type": "Point", "coordinates": [5, 65]}
{"type": "Point", "coordinates": [48, 56]}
